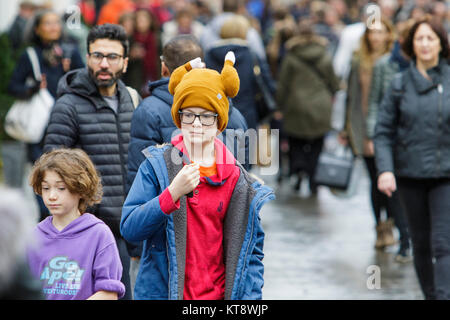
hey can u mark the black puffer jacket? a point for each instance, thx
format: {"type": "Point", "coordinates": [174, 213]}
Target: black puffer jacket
{"type": "Point", "coordinates": [412, 134]}
{"type": "Point", "coordinates": [81, 118]}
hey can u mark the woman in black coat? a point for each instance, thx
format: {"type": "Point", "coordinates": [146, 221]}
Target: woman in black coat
{"type": "Point", "coordinates": [55, 59]}
{"type": "Point", "coordinates": [412, 149]}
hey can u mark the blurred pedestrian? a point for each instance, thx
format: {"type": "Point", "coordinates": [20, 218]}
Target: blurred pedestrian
{"type": "Point", "coordinates": [184, 23]}
{"type": "Point", "coordinates": [16, 31]}
{"type": "Point", "coordinates": [111, 11]}
{"type": "Point", "coordinates": [16, 226]}
{"type": "Point", "coordinates": [412, 144]}
{"type": "Point", "coordinates": [375, 42]}
{"type": "Point", "coordinates": [93, 112]}
{"type": "Point", "coordinates": [383, 72]}
{"type": "Point", "coordinates": [282, 29]}
{"type": "Point", "coordinates": [147, 37]}
{"type": "Point", "coordinates": [73, 253]}
{"type": "Point", "coordinates": [213, 29]}
{"type": "Point", "coordinates": [233, 38]}
{"type": "Point", "coordinates": [192, 245]}
{"type": "Point", "coordinates": [306, 72]}
{"type": "Point", "coordinates": [56, 57]}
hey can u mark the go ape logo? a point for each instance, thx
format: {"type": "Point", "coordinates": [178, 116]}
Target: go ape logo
{"type": "Point", "coordinates": [60, 267]}
{"type": "Point", "coordinates": [374, 280]}
{"type": "Point", "coordinates": [262, 149]}
{"type": "Point", "coordinates": [373, 13]}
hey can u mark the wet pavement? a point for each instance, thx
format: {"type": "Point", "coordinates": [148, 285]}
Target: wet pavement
{"type": "Point", "coordinates": [323, 248]}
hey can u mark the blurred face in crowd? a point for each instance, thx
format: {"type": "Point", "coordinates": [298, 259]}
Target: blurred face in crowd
{"type": "Point", "coordinates": [426, 44]}
{"type": "Point", "coordinates": [143, 21]}
{"type": "Point", "coordinates": [49, 28]}
{"type": "Point", "coordinates": [378, 37]}
{"type": "Point", "coordinates": [106, 62]}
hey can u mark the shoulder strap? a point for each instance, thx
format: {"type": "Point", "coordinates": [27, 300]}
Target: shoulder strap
{"type": "Point", "coordinates": [398, 87]}
{"type": "Point", "coordinates": [34, 63]}
{"type": "Point", "coordinates": [134, 96]}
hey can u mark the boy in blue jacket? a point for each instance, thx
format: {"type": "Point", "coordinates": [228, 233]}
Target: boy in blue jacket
{"type": "Point", "coordinates": [193, 205]}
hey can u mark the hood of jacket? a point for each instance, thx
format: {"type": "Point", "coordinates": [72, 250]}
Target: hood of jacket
{"type": "Point", "coordinates": [309, 49]}
{"type": "Point", "coordinates": [72, 230]}
{"type": "Point", "coordinates": [160, 89]}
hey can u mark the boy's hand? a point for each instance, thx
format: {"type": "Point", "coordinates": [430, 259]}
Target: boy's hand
{"type": "Point", "coordinates": [185, 181]}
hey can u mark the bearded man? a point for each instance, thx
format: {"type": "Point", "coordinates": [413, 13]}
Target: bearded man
{"type": "Point", "coordinates": [93, 112]}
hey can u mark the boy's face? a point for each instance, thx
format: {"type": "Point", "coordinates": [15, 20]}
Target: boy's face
{"type": "Point", "coordinates": [197, 133]}
{"type": "Point", "coordinates": [57, 198]}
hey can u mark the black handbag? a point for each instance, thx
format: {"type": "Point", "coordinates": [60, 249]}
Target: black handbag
{"type": "Point", "coordinates": [335, 166]}
{"type": "Point", "coordinates": [265, 102]}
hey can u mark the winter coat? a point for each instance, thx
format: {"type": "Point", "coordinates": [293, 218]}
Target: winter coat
{"type": "Point", "coordinates": [383, 73]}
{"type": "Point", "coordinates": [161, 274]}
{"type": "Point", "coordinates": [412, 134]}
{"type": "Point", "coordinates": [152, 124]}
{"type": "Point", "coordinates": [245, 99]}
{"type": "Point", "coordinates": [20, 87]}
{"type": "Point", "coordinates": [306, 87]}
{"type": "Point", "coordinates": [82, 118]}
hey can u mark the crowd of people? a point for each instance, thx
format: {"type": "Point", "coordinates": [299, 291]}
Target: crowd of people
{"type": "Point", "coordinates": [153, 102]}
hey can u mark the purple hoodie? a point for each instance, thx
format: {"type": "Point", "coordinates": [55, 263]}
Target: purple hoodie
{"type": "Point", "coordinates": [76, 262]}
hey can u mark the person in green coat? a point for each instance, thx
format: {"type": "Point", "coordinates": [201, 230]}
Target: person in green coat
{"type": "Point", "coordinates": [307, 84]}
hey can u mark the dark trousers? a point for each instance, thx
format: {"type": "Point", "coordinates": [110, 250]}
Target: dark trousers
{"type": "Point", "coordinates": [392, 205]}
{"type": "Point", "coordinates": [304, 155]}
{"type": "Point", "coordinates": [34, 152]}
{"type": "Point", "coordinates": [125, 259]}
{"type": "Point", "coordinates": [427, 204]}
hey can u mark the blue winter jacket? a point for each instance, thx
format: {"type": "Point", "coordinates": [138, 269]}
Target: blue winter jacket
{"type": "Point", "coordinates": [161, 271]}
{"type": "Point", "coordinates": [152, 124]}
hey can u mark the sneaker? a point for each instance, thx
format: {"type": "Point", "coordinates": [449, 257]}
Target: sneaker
{"type": "Point", "coordinates": [403, 255]}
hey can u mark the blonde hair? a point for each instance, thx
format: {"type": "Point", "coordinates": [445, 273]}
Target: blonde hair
{"type": "Point", "coordinates": [77, 171]}
{"type": "Point", "coordinates": [365, 51]}
{"type": "Point", "coordinates": [235, 27]}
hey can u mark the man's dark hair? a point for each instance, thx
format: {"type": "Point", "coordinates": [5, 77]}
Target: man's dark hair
{"type": "Point", "coordinates": [181, 49]}
{"type": "Point", "coordinates": [111, 32]}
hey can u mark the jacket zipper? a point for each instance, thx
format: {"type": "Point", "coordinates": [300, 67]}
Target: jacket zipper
{"type": "Point", "coordinates": [440, 91]}
{"type": "Point", "coordinates": [251, 234]}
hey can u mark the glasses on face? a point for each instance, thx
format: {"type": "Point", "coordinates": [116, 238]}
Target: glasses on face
{"type": "Point", "coordinates": [112, 58]}
{"type": "Point", "coordinates": [206, 119]}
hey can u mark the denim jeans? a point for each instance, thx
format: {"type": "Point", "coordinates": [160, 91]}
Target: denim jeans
{"type": "Point", "coordinates": [427, 204]}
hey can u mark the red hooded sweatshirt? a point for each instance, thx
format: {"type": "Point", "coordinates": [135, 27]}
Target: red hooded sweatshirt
{"type": "Point", "coordinates": [205, 269]}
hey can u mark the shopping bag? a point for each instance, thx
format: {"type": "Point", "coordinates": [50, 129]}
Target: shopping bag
{"type": "Point", "coordinates": [27, 120]}
{"type": "Point", "coordinates": [335, 165]}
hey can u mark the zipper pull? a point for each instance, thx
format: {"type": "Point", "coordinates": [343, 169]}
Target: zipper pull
{"type": "Point", "coordinates": [439, 88]}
